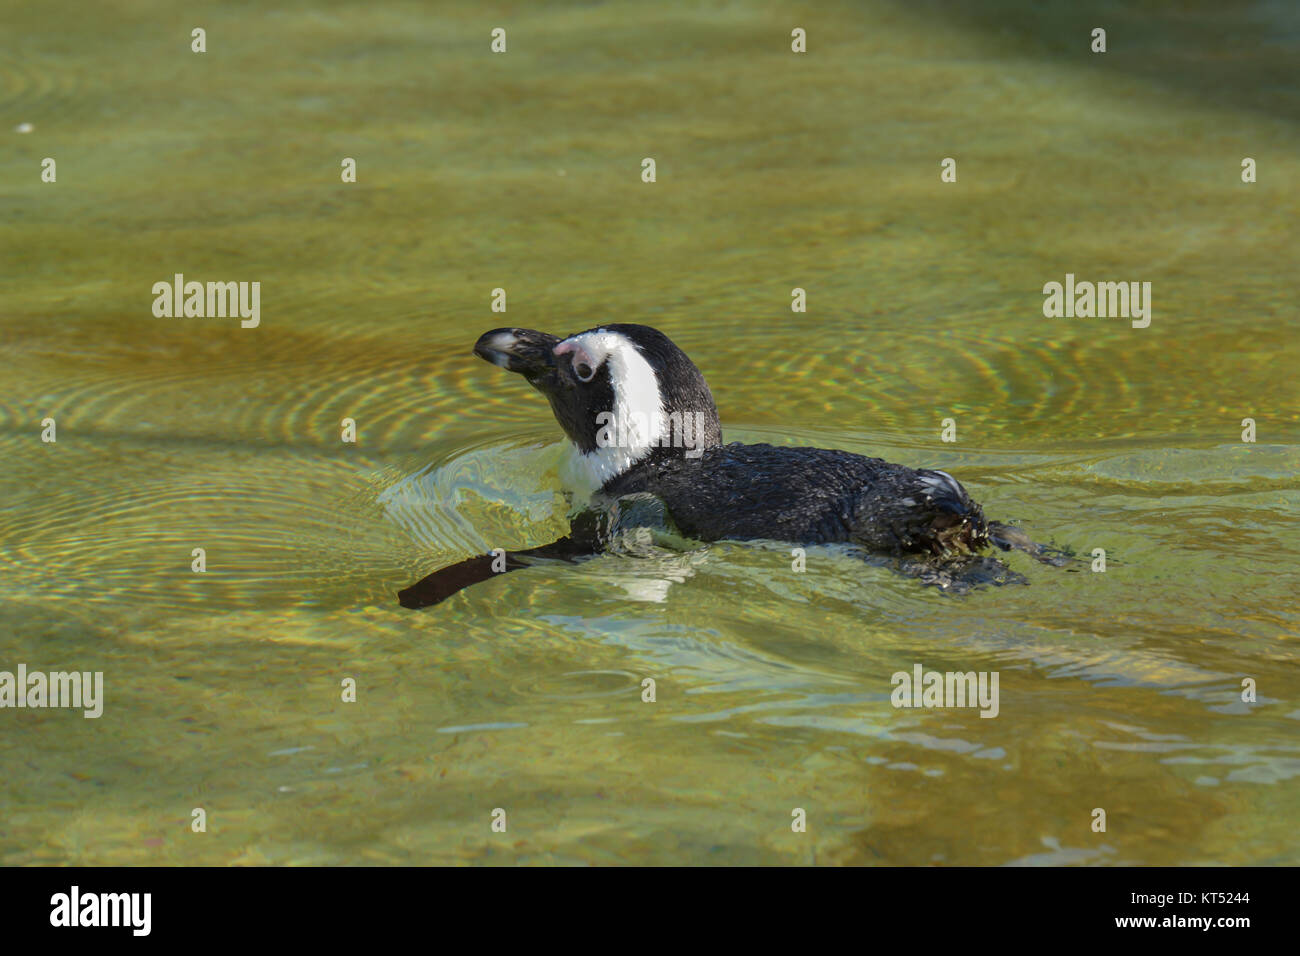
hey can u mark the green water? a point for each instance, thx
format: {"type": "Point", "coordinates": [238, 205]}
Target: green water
{"type": "Point", "coordinates": [1118, 690]}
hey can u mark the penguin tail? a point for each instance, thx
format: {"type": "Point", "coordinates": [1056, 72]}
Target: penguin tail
{"type": "Point", "coordinates": [956, 522]}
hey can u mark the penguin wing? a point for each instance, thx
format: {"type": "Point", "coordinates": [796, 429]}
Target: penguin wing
{"type": "Point", "coordinates": [585, 538]}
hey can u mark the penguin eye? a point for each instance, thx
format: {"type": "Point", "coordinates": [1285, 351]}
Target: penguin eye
{"type": "Point", "coordinates": [584, 371]}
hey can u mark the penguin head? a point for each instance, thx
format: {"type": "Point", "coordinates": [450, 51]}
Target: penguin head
{"type": "Point", "coordinates": [622, 393]}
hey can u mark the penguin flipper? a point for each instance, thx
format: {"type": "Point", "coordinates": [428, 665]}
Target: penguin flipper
{"type": "Point", "coordinates": [587, 536]}
{"type": "Point", "coordinates": [443, 583]}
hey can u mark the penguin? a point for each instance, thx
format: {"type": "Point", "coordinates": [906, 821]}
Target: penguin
{"type": "Point", "coordinates": [642, 424]}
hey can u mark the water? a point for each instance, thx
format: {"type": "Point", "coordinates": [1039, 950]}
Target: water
{"type": "Point", "coordinates": [1118, 690]}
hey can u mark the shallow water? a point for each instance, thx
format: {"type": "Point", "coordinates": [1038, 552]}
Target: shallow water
{"type": "Point", "coordinates": [1119, 690]}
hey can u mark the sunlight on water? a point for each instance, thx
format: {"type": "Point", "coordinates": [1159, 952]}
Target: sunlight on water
{"type": "Point", "coordinates": [1119, 690]}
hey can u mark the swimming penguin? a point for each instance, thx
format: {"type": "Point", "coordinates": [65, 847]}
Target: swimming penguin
{"type": "Point", "coordinates": [642, 423]}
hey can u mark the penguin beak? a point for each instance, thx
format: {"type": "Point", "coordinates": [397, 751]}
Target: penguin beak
{"type": "Point", "coordinates": [525, 351]}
